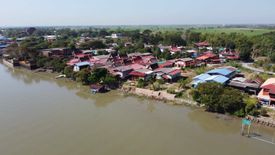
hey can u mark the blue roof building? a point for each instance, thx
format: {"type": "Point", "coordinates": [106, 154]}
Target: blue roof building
{"type": "Point", "coordinates": [81, 65]}
{"type": "Point", "coordinates": [227, 72]}
{"type": "Point", "coordinates": [203, 78]}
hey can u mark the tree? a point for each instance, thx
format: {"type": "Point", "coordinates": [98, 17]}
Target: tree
{"type": "Point", "coordinates": [83, 76]}
{"type": "Point", "coordinates": [245, 54]}
{"type": "Point", "coordinates": [217, 98]}
{"type": "Point", "coordinates": [231, 100]}
{"type": "Point", "coordinates": [110, 81]}
{"type": "Point", "coordinates": [141, 83]}
{"type": "Point", "coordinates": [184, 82]}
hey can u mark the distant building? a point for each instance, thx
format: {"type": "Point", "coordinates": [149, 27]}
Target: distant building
{"type": "Point", "coordinates": [209, 57]}
{"type": "Point", "coordinates": [204, 44]}
{"type": "Point", "coordinates": [57, 52]}
{"type": "Point", "coordinates": [50, 38]}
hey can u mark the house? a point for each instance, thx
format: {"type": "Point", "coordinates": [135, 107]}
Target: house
{"type": "Point", "coordinates": [175, 50]}
{"type": "Point", "coordinates": [81, 65]}
{"type": "Point", "coordinates": [50, 38]}
{"type": "Point", "coordinates": [97, 88]}
{"type": "Point", "coordinates": [164, 48]}
{"type": "Point", "coordinates": [249, 86]}
{"type": "Point", "coordinates": [192, 53]}
{"type": "Point", "coordinates": [185, 62]}
{"type": "Point", "coordinates": [166, 64]}
{"type": "Point", "coordinates": [203, 78]}
{"type": "Point", "coordinates": [227, 54]}
{"type": "Point", "coordinates": [201, 45]}
{"type": "Point", "coordinates": [123, 71]}
{"type": "Point", "coordinates": [267, 93]}
{"type": "Point", "coordinates": [168, 74]}
{"type": "Point", "coordinates": [114, 36]}
{"type": "Point", "coordinates": [144, 74]}
{"type": "Point", "coordinates": [228, 72]}
{"type": "Point", "coordinates": [209, 57]}
{"type": "Point", "coordinates": [56, 52]}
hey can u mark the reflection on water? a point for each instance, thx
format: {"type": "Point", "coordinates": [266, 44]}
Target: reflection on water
{"type": "Point", "coordinates": [40, 115]}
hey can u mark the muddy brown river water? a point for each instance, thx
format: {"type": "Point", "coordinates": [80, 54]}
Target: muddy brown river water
{"type": "Point", "coordinates": [43, 116]}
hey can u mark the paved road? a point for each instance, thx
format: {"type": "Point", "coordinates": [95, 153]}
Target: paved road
{"type": "Point", "coordinates": [249, 66]}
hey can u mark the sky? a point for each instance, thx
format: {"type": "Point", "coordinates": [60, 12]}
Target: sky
{"type": "Point", "coordinates": [135, 12]}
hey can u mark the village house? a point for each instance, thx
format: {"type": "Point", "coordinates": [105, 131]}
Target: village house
{"type": "Point", "coordinates": [81, 65]}
{"type": "Point", "coordinates": [164, 48]}
{"type": "Point", "coordinates": [50, 38]}
{"type": "Point", "coordinates": [123, 71]}
{"type": "Point", "coordinates": [168, 74]}
{"type": "Point", "coordinates": [174, 50]}
{"type": "Point", "coordinates": [56, 52]}
{"type": "Point", "coordinates": [204, 78]}
{"type": "Point", "coordinates": [227, 55]}
{"type": "Point", "coordinates": [144, 74]}
{"type": "Point", "coordinates": [166, 64]}
{"type": "Point", "coordinates": [208, 58]}
{"type": "Point", "coordinates": [219, 75]}
{"type": "Point", "coordinates": [203, 45]}
{"type": "Point", "coordinates": [243, 84]}
{"type": "Point", "coordinates": [185, 62]}
{"type": "Point", "coordinates": [228, 72]}
{"type": "Point", "coordinates": [267, 93]}
{"type": "Point", "coordinates": [192, 53]}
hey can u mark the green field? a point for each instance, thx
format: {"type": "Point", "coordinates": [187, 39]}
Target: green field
{"type": "Point", "coordinates": [246, 31]}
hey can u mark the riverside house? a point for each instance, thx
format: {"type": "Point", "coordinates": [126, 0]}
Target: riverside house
{"type": "Point", "coordinates": [267, 93]}
{"type": "Point", "coordinates": [81, 65]}
{"type": "Point", "coordinates": [219, 75]}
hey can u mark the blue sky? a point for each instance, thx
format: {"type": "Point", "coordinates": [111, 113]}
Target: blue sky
{"type": "Point", "coordinates": [135, 12]}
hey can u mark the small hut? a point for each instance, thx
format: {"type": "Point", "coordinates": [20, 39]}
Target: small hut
{"type": "Point", "coordinates": [97, 88]}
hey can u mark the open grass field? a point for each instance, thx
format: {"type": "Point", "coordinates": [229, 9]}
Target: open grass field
{"type": "Point", "coordinates": [246, 31]}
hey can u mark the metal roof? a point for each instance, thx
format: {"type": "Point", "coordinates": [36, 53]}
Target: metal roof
{"type": "Point", "coordinates": [221, 71]}
{"type": "Point", "coordinates": [83, 64]}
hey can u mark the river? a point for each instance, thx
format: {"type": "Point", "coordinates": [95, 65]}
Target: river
{"type": "Point", "coordinates": [43, 116]}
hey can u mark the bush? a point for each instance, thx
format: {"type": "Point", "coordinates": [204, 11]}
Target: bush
{"type": "Point", "coordinates": [264, 112]}
{"type": "Point", "coordinates": [141, 83]}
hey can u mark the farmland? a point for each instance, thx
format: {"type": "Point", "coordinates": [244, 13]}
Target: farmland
{"type": "Point", "coordinates": [246, 31]}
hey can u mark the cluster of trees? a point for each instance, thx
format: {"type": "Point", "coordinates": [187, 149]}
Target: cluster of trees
{"type": "Point", "coordinates": [217, 98]}
{"type": "Point", "coordinates": [56, 64]}
{"type": "Point", "coordinates": [249, 46]}
{"type": "Point", "coordinates": [88, 76]}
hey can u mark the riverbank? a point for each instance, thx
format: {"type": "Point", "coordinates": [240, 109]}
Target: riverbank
{"type": "Point", "coordinates": [157, 95]}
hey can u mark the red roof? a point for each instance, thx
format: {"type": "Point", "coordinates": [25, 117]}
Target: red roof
{"type": "Point", "coordinates": [206, 56]}
{"type": "Point", "coordinates": [270, 87]}
{"type": "Point", "coordinates": [166, 64]}
{"type": "Point", "coordinates": [175, 72]}
{"type": "Point", "coordinates": [137, 74]}
{"type": "Point", "coordinates": [201, 44]}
